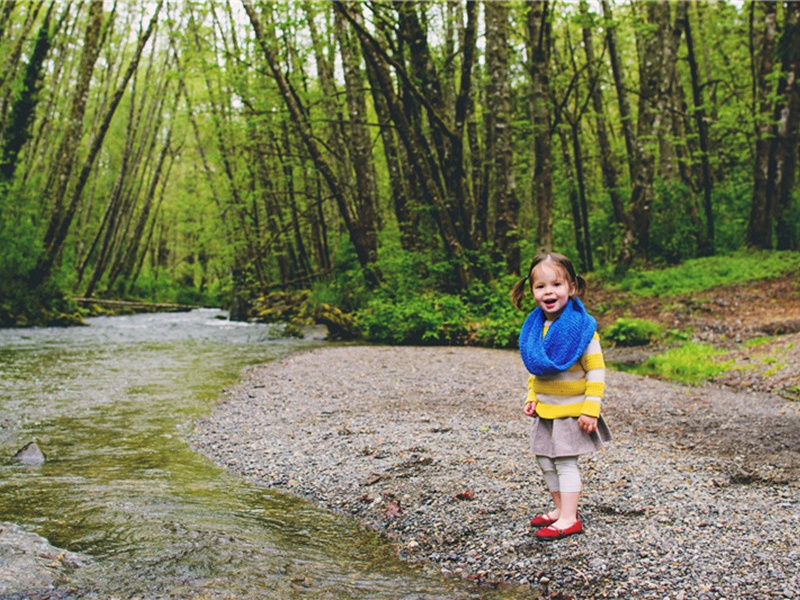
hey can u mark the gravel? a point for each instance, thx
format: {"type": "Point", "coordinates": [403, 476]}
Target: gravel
{"type": "Point", "coordinates": [696, 497]}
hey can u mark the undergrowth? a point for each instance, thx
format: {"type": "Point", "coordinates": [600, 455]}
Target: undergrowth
{"type": "Point", "coordinates": [700, 274]}
{"type": "Point", "coordinates": [689, 363]}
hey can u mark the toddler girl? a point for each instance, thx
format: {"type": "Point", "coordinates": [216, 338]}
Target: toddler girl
{"type": "Point", "coordinates": [560, 348]}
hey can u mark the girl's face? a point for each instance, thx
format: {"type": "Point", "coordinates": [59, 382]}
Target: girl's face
{"type": "Point", "coordinates": [551, 289]}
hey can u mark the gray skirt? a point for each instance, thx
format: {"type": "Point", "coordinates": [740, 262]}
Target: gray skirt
{"type": "Point", "coordinates": [562, 437]}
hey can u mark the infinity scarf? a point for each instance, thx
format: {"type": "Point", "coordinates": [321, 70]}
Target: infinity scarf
{"type": "Point", "coordinates": [564, 343]}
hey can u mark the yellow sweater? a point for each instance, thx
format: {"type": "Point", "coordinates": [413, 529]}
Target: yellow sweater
{"type": "Point", "coordinates": [574, 392]}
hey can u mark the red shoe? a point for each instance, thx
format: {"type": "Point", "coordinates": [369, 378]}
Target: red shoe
{"type": "Point", "coordinates": [554, 533]}
{"type": "Point", "coordinates": [543, 520]}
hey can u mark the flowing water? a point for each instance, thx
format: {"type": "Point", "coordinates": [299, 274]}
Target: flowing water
{"type": "Point", "coordinates": [111, 405]}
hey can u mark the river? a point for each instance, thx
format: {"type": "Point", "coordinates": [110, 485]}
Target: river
{"type": "Point", "coordinates": [111, 405]}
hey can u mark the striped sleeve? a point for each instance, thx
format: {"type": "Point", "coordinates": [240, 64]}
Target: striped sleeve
{"type": "Point", "coordinates": [595, 367]}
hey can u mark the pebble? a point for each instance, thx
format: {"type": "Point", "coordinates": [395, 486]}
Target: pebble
{"type": "Point", "coordinates": [692, 499]}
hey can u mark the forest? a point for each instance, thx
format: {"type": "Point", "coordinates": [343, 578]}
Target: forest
{"type": "Point", "coordinates": [390, 165]}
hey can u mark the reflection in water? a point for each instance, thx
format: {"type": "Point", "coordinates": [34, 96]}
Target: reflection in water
{"type": "Point", "coordinates": [109, 404]}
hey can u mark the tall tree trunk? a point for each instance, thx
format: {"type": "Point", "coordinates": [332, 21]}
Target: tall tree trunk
{"type": "Point", "coordinates": [325, 73]}
{"type": "Point", "coordinates": [538, 44]}
{"type": "Point", "coordinates": [302, 264]}
{"type": "Point", "coordinates": [788, 124]}
{"type": "Point", "coordinates": [656, 72]}
{"type": "Point", "coordinates": [580, 178]}
{"type": "Point", "coordinates": [228, 154]}
{"type": "Point", "coordinates": [607, 162]}
{"type": "Point", "coordinates": [759, 229]}
{"type": "Point", "coordinates": [707, 185]}
{"type": "Point", "coordinates": [498, 96]}
{"type": "Point", "coordinates": [360, 145]}
{"type": "Point", "coordinates": [626, 251]}
{"type": "Point", "coordinates": [445, 124]}
{"type": "Point", "coordinates": [574, 203]}
{"type": "Point", "coordinates": [138, 240]}
{"type": "Point", "coordinates": [406, 220]}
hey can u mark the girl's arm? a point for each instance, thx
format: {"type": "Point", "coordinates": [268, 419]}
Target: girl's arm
{"type": "Point", "coordinates": [595, 368]}
{"type": "Point", "coordinates": [530, 400]}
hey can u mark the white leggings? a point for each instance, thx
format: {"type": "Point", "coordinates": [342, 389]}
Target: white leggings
{"type": "Point", "coordinates": [560, 474]}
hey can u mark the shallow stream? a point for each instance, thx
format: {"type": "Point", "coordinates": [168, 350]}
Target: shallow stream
{"type": "Point", "coordinates": [111, 405]}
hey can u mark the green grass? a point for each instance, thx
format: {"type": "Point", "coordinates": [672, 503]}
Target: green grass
{"type": "Point", "coordinates": [690, 363]}
{"type": "Point", "coordinates": [757, 341]}
{"type": "Point", "coordinates": [700, 274]}
{"type": "Point", "coordinates": [632, 332]}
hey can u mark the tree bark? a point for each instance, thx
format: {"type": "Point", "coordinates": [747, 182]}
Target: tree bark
{"type": "Point", "coordinates": [360, 145]}
{"type": "Point", "coordinates": [701, 121]}
{"type": "Point", "coordinates": [498, 96]}
{"type": "Point", "coordinates": [538, 45]}
{"type": "Point", "coordinates": [656, 73]}
{"type": "Point", "coordinates": [787, 116]}
{"type": "Point", "coordinates": [607, 162]}
{"type": "Point", "coordinates": [759, 229]}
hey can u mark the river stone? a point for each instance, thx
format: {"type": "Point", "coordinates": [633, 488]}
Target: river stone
{"type": "Point", "coordinates": [29, 563]}
{"type": "Point", "coordinates": [30, 454]}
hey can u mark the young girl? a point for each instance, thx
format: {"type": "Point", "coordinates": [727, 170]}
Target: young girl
{"type": "Point", "coordinates": [560, 348]}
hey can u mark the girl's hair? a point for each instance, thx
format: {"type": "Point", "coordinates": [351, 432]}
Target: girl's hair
{"type": "Point", "coordinates": [560, 261]}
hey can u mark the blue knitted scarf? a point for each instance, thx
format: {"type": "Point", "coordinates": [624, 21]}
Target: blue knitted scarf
{"type": "Point", "coordinates": [564, 343]}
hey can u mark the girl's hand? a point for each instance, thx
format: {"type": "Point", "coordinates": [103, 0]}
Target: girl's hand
{"type": "Point", "coordinates": [530, 409]}
{"type": "Point", "coordinates": [587, 423]}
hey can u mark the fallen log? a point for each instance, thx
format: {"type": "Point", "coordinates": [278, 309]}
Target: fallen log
{"type": "Point", "coordinates": [137, 305]}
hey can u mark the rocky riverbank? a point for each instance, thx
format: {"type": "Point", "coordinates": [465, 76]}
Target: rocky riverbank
{"type": "Point", "coordinates": [697, 497]}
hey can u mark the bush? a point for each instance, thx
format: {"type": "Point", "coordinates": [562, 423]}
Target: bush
{"type": "Point", "coordinates": [426, 319]}
{"type": "Point", "coordinates": [632, 332]}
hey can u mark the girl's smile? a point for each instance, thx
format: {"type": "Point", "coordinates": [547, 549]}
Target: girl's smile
{"type": "Point", "coordinates": [551, 289]}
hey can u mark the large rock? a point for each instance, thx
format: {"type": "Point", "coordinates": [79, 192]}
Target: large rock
{"type": "Point", "coordinates": [29, 564]}
{"type": "Point", "coordinates": [30, 454]}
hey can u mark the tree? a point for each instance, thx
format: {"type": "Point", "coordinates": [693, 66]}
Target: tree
{"type": "Point", "coordinates": [787, 116]}
{"type": "Point", "coordinates": [659, 41]}
{"type": "Point", "coordinates": [538, 45]}
{"type": "Point", "coordinates": [17, 129]}
{"type": "Point", "coordinates": [499, 134]}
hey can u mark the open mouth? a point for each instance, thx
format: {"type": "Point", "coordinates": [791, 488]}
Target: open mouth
{"type": "Point", "coordinates": [550, 303]}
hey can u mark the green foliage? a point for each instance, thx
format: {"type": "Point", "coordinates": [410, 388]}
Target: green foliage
{"type": "Point", "coordinates": [23, 303]}
{"type": "Point", "coordinates": [690, 363]}
{"type": "Point", "coordinates": [674, 231]}
{"type": "Point", "coordinates": [429, 318]}
{"type": "Point", "coordinates": [495, 321]}
{"type": "Point", "coordinates": [158, 286]}
{"type": "Point", "coordinates": [414, 304]}
{"type": "Point", "coordinates": [632, 332]}
{"type": "Point", "coordinates": [700, 274]}
{"type": "Point", "coordinates": [344, 287]}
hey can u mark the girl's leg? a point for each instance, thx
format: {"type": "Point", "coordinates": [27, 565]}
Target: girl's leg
{"type": "Point", "coordinates": [569, 482]}
{"type": "Point", "coordinates": [550, 475]}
